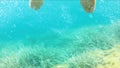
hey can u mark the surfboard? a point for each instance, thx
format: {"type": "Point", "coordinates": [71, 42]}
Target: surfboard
{"type": "Point", "coordinates": [88, 5]}
{"type": "Point", "coordinates": [36, 4]}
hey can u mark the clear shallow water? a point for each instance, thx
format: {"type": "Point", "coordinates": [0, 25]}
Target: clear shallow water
{"type": "Point", "coordinates": [60, 29]}
{"type": "Point", "coordinates": [18, 20]}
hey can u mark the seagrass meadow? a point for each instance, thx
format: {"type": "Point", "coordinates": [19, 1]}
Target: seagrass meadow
{"type": "Point", "coordinates": [59, 35]}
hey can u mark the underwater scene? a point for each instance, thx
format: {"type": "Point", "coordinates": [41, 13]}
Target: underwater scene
{"type": "Point", "coordinates": [59, 34]}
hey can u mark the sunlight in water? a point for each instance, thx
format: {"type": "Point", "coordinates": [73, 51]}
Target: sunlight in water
{"type": "Point", "coordinates": [59, 35]}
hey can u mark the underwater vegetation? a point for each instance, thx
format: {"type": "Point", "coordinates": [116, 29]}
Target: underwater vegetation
{"type": "Point", "coordinates": [87, 47]}
{"type": "Point", "coordinates": [95, 59]}
{"type": "Point", "coordinates": [116, 30]}
{"type": "Point", "coordinates": [27, 57]}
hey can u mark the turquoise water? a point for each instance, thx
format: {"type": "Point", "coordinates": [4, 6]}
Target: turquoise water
{"type": "Point", "coordinates": [60, 25]}
{"type": "Point", "coordinates": [19, 20]}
